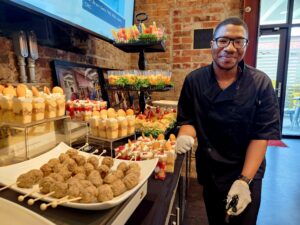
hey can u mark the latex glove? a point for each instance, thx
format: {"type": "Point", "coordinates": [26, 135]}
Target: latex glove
{"type": "Point", "coordinates": [184, 143]}
{"type": "Point", "coordinates": [241, 189]}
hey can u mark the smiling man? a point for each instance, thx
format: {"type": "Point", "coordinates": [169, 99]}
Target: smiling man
{"type": "Point", "coordinates": [232, 110]}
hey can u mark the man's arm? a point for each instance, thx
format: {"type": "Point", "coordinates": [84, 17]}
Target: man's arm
{"type": "Point", "coordinates": [254, 156]}
{"type": "Point", "coordinates": [187, 130]}
{"type": "Point", "coordinates": [185, 139]}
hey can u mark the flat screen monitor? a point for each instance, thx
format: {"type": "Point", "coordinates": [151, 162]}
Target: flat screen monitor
{"type": "Point", "coordinates": [98, 17]}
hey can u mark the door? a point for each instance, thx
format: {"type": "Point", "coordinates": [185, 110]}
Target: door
{"type": "Point", "coordinates": [271, 51]}
{"type": "Point", "coordinates": [277, 49]}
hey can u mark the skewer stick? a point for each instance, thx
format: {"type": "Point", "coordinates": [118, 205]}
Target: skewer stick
{"type": "Point", "coordinates": [22, 197]}
{"type": "Point", "coordinates": [118, 155]}
{"type": "Point", "coordinates": [32, 201]}
{"type": "Point", "coordinates": [55, 203]}
{"type": "Point", "coordinates": [8, 186]}
{"type": "Point", "coordinates": [86, 144]}
{"type": "Point", "coordinates": [132, 158]}
{"type": "Point", "coordinates": [44, 206]}
{"type": "Point", "coordinates": [94, 152]}
{"type": "Point", "coordinates": [103, 152]}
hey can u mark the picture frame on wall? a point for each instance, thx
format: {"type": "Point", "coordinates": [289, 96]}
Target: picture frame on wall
{"type": "Point", "coordinates": [80, 81]}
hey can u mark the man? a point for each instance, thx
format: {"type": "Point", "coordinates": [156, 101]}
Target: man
{"type": "Point", "coordinates": [232, 110]}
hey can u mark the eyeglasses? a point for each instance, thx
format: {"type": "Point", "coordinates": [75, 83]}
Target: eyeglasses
{"type": "Point", "coordinates": [238, 43]}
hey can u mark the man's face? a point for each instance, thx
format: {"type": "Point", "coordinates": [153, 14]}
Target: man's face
{"type": "Point", "coordinates": [227, 58]}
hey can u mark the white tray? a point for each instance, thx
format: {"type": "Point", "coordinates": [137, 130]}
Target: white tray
{"type": "Point", "coordinates": [12, 213]}
{"type": "Point", "coordinates": [9, 175]}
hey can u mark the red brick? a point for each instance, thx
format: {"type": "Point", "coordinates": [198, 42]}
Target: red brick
{"type": "Point", "coordinates": [176, 40]}
{"type": "Point", "coordinates": [186, 40]}
{"type": "Point", "coordinates": [177, 53]}
{"type": "Point", "coordinates": [177, 12]}
{"type": "Point", "coordinates": [176, 20]}
{"type": "Point", "coordinates": [182, 33]}
{"type": "Point", "coordinates": [177, 27]}
{"type": "Point", "coordinates": [176, 66]}
{"type": "Point", "coordinates": [186, 65]}
{"type": "Point", "coordinates": [181, 59]}
{"type": "Point", "coordinates": [182, 47]}
{"type": "Point", "coordinates": [4, 59]}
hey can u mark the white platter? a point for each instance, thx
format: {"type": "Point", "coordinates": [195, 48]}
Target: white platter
{"type": "Point", "coordinates": [12, 213]}
{"type": "Point", "coordinates": [9, 174]}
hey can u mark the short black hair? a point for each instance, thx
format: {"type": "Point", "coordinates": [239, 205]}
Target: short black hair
{"type": "Point", "coordinates": [234, 21]}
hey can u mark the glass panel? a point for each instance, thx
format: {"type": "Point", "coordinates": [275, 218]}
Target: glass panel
{"type": "Point", "coordinates": [273, 12]}
{"type": "Point", "coordinates": [291, 118]}
{"type": "Point", "coordinates": [267, 55]}
{"type": "Point", "coordinates": [296, 12]}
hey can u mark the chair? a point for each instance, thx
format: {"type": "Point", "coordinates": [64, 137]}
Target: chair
{"type": "Point", "coordinates": [296, 115]}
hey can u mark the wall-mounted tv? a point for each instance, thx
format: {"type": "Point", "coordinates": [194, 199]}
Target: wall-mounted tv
{"type": "Point", "coordinates": [98, 17]}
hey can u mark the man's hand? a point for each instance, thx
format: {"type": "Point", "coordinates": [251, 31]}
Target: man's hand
{"type": "Point", "coordinates": [241, 189]}
{"type": "Point", "coordinates": [184, 143]}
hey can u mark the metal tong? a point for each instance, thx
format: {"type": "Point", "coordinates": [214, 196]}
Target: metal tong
{"type": "Point", "coordinates": [232, 203]}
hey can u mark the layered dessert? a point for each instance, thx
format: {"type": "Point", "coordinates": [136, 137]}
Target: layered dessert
{"type": "Point", "coordinates": [112, 128]}
{"type": "Point", "coordinates": [6, 104]}
{"type": "Point", "coordinates": [131, 124]}
{"type": "Point", "coordinates": [60, 98]}
{"type": "Point", "coordinates": [123, 124]}
{"type": "Point", "coordinates": [38, 105]}
{"type": "Point", "coordinates": [102, 128]}
{"type": "Point", "coordinates": [50, 104]}
{"type": "Point", "coordinates": [22, 106]}
{"type": "Point", "coordinates": [94, 126]}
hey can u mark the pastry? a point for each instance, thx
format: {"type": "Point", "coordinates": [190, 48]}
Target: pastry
{"type": "Point", "coordinates": [50, 104]}
{"type": "Point", "coordinates": [129, 112]}
{"type": "Point", "coordinates": [103, 114]}
{"type": "Point", "coordinates": [111, 113]}
{"type": "Point", "coordinates": [38, 105]}
{"type": "Point", "coordinates": [102, 128]}
{"type": "Point", "coordinates": [6, 102]}
{"type": "Point", "coordinates": [112, 128]}
{"type": "Point", "coordinates": [22, 106]}
{"type": "Point", "coordinates": [60, 99]}
{"type": "Point", "coordinates": [121, 112]}
{"type": "Point", "coordinates": [123, 124]}
{"type": "Point", "coordinates": [94, 126]}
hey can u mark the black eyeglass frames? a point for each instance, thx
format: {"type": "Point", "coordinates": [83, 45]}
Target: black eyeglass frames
{"type": "Point", "coordinates": [223, 42]}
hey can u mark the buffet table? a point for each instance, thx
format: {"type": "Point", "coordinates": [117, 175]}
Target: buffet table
{"type": "Point", "coordinates": [154, 208]}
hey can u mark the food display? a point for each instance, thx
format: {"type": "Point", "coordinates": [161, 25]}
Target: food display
{"type": "Point", "coordinates": [146, 148]}
{"type": "Point", "coordinates": [75, 176]}
{"type": "Point", "coordinates": [111, 124]}
{"type": "Point", "coordinates": [22, 105]}
{"type": "Point", "coordinates": [76, 179]}
{"type": "Point", "coordinates": [145, 34]}
{"type": "Point", "coordinates": [139, 79]}
{"type": "Point", "coordinates": [83, 110]}
{"type": "Point", "coordinates": [155, 120]}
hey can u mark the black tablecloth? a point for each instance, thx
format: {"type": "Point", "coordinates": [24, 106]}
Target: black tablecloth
{"type": "Point", "coordinates": [152, 210]}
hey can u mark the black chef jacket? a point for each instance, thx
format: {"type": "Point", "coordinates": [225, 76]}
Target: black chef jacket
{"type": "Point", "coordinates": [227, 120]}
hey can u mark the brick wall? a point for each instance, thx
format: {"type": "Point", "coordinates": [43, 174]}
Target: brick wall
{"type": "Point", "coordinates": [180, 18]}
{"type": "Point", "coordinates": [99, 53]}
